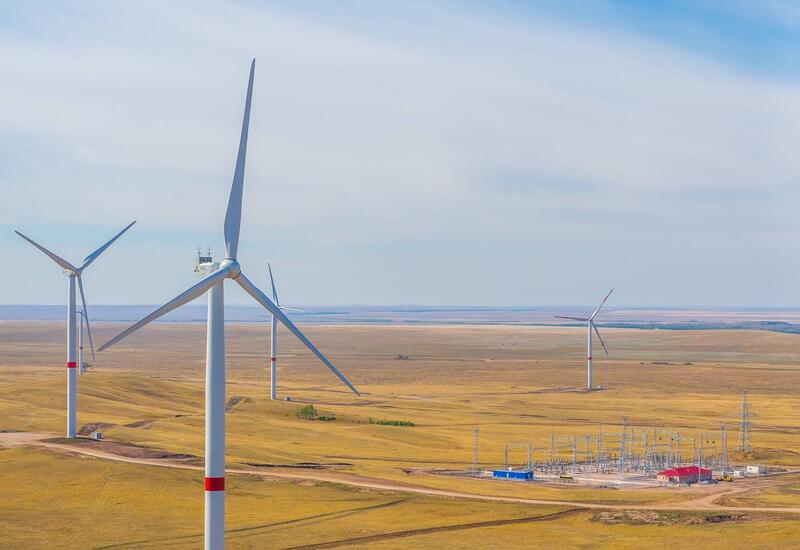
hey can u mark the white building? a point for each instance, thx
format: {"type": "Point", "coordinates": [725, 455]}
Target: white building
{"type": "Point", "coordinates": [757, 469]}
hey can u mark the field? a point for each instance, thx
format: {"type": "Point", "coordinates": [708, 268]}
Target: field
{"type": "Point", "coordinates": [369, 484]}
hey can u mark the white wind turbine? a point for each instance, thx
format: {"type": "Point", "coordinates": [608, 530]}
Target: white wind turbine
{"type": "Point", "coordinates": [84, 315]}
{"type": "Point", "coordinates": [81, 364]}
{"type": "Point", "coordinates": [273, 355]}
{"type": "Point", "coordinates": [273, 344]}
{"type": "Point", "coordinates": [72, 274]}
{"type": "Point", "coordinates": [215, 347]}
{"type": "Point", "coordinates": [589, 326]}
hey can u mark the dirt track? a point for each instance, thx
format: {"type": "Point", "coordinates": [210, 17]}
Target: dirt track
{"type": "Point", "coordinates": [703, 503]}
{"type": "Point", "coordinates": [429, 530]}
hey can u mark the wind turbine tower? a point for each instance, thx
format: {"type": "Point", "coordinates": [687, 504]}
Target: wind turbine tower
{"type": "Point", "coordinates": [589, 327]}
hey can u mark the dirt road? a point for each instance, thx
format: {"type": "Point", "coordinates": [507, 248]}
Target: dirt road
{"type": "Point", "coordinates": [704, 503]}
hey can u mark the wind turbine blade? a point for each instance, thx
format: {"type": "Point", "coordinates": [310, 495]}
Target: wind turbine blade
{"type": "Point", "coordinates": [93, 256]}
{"type": "Point", "coordinates": [292, 309]}
{"type": "Point", "coordinates": [598, 335]}
{"type": "Point", "coordinates": [182, 298]}
{"type": "Point", "coordinates": [601, 304]}
{"type": "Point", "coordinates": [262, 299]}
{"type": "Point", "coordinates": [56, 258]}
{"type": "Point", "coordinates": [272, 282]}
{"type": "Point", "coordinates": [233, 216]}
{"type": "Point", "coordinates": [85, 314]}
{"type": "Point", "coordinates": [583, 320]}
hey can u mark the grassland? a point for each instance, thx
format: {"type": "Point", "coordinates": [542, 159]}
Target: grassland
{"type": "Point", "coordinates": [515, 383]}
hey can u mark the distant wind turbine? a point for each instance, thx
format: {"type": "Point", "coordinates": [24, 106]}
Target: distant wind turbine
{"type": "Point", "coordinates": [74, 273]}
{"type": "Point", "coordinates": [215, 348]}
{"type": "Point", "coordinates": [589, 326]}
{"type": "Point", "coordinates": [81, 363]}
{"type": "Point", "coordinates": [273, 355]}
{"type": "Point", "coordinates": [85, 316]}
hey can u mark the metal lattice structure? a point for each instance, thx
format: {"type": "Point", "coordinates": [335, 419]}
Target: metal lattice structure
{"type": "Point", "coordinates": [745, 444]}
{"type": "Point", "coordinates": [475, 431]}
{"type": "Point", "coordinates": [632, 450]}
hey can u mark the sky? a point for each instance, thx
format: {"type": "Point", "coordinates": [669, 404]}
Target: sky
{"type": "Point", "coordinates": [436, 153]}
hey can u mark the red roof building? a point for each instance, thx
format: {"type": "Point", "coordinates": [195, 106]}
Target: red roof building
{"type": "Point", "coordinates": [684, 474]}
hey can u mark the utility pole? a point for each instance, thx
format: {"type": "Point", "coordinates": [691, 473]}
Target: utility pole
{"type": "Point", "coordinates": [701, 460]}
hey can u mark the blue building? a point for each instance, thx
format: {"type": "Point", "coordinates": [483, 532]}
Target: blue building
{"type": "Point", "coordinates": [513, 474]}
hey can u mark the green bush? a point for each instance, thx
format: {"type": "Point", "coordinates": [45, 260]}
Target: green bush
{"type": "Point", "coordinates": [307, 412]}
{"type": "Point", "coordinates": [391, 422]}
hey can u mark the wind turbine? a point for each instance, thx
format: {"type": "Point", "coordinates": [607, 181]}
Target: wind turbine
{"type": "Point", "coordinates": [273, 343]}
{"type": "Point", "coordinates": [81, 364]}
{"type": "Point", "coordinates": [589, 326]}
{"type": "Point", "coordinates": [84, 316]}
{"type": "Point", "coordinates": [273, 356]}
{"type": "Point", "coordinates": [215, 342]}
{"type": "Point", "coordinates": [73, 273]}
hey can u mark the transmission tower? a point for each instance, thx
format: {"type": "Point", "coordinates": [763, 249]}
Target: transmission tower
{"type": "Point", "coordinates": [723, 454]}
{"type": "Point", "coordinates": [599, 455]}
{"type": "Point", "coordinates": [475, 431]}
{"type": "Point", "coordinates": [701, 458]}
{"type": "Point", "coordinates": [587, 455]}
{"type": "Point", "coordinates": [622, 442]}
{"type": "Point", "coordinates": [745, 445]}
{"type": "Point", "coordinates": [574, 454]}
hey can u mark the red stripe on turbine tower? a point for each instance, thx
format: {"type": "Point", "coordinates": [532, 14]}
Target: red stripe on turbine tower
{"type": "Point", "coordinates": [71, 364]}
{"type": "Point", "coordinates": [273, 359]}
{"type": "Point", "coordinates": [215, 484]}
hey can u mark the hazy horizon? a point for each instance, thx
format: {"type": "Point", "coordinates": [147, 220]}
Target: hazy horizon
{"type": "Point", "coordinates": [687, 318]}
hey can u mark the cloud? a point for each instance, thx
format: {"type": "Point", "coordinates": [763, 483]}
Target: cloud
{"type": "Point", "coordinates": [385, 127]}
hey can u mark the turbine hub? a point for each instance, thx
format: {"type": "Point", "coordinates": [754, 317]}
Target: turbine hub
{"type": "Point", "coordinates": [232, 266]}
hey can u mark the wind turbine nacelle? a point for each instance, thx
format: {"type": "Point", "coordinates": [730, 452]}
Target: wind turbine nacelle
{"type": "Point", "coordinates": [205, 264]}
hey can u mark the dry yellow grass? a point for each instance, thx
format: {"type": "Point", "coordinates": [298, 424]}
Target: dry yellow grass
{"type": "Point", "coordinates": [515, 383]}
{"type": "Point", "coordinates": [92, 503]}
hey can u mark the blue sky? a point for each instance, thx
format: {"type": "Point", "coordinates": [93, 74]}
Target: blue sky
{"type": "Point", "coordinates": [512, 153]}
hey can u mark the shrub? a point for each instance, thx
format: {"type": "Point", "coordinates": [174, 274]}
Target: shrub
{"type": "Point", "coordinates": [307, 412]}
{"type": "Point", "coordinates": [391, 422]}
